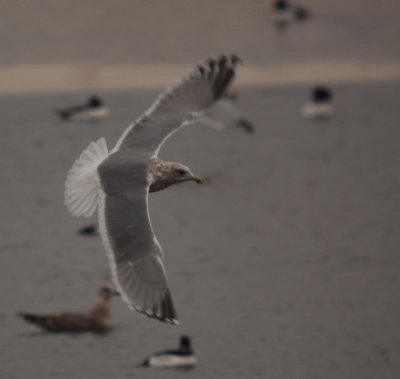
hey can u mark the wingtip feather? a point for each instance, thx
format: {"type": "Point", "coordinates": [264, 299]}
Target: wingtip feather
{"type": "Point", "coordinates": [163, 312]}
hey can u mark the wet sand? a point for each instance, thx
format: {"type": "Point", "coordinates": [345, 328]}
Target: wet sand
{"type": "Point", "coordinates": [283, 265]}
{"type": "Point", "coordinates": [78, 77]}
{"type": "Point", "coordinates": [189, 30]}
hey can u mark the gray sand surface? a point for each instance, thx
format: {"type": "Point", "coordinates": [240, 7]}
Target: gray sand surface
{"type": "Point", "coordinates": [283, 265]}
{"type": "Point", "coordinates": [188, 30]}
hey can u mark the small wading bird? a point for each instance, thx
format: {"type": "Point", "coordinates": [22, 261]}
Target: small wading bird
{"type": "Point", "coordinates": [117, 183]}
{"type": "Point", "coordinates": [182, 358]}
{"type": "Point", "coordinates": [93, 110]}
{"type": "Point", "coordinates": [320, 107]}
{"type": "Point", "coordinates": [97, 319]}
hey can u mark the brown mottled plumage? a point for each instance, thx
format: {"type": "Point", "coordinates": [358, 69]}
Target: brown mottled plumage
{"type": "Point", "coordinates": [97, 319]}
{"type": "Point", "coordinates": [165, 174]}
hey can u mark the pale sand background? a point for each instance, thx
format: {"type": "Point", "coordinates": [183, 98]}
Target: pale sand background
{"type": "Point", "coordinates": [285, 265]}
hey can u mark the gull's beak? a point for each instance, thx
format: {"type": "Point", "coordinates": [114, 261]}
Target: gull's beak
{"type": "Point", "coordinates": [197, 179]}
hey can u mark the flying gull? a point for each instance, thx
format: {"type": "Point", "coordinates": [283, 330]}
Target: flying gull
{"type": "Point", "coordinates": [117, 183]}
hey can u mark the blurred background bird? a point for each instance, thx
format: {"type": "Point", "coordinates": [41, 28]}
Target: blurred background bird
{"type": "Point", "coordinates": [89, 230]}
{"type": "Point", "coordinates": [97, 319]}
{"type": "Point", "coordinates": [225, 114]}
{"type": "Point", "coordinates": [320, 106]}
{"type": "Point", "coordinates": [93, 110]}
{"type": "Point", "coordinates": [285, 13]}
{"type": "Point", "coordinates": [182, 357]}
{"type": "Point", "coordinates": [301, 13]}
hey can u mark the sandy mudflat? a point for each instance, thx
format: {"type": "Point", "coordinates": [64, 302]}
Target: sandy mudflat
{"type": "Point", "coordinates": [188, 30]}
{"type": "Point", "coordinates": [57, 79]}
{"type": "Point", "coordinates": [285, 265]}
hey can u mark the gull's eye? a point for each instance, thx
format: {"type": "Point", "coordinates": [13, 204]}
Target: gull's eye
{"type": "Point", "coordinates": [180, 171]}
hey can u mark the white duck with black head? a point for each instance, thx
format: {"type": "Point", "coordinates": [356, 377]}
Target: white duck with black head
{"type": "Point", "coordinates": [321, 105]}
{"type": "Point", "coordinates": [183, 357]}
{"type": "Point", "coordinates": [281, 13]}
{"type": "Point", "coordinates": [93, 110]}
{"type": "Point", "coordinates": [286, 13]}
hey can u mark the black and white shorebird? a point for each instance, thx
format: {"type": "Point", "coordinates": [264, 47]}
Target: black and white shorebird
{"type": "Point", "coordinates": [97, 319]}
{"type": "Point", "coordinates": [94, 109]}
{"type": "Point", "coordinates": [321, 105]}
{"type": "Point", "coordinates": [183, 357]}
{"type": "Point", "coordinates": [282, 14]}
{"type": "Point", "coordinates": [285, 13]}
{"type": "Point", "coordinates": [117, 183]}
{"type": "Point", "coordinates": [225, 114]}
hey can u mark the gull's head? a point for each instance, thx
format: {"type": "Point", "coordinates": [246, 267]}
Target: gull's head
{"type": "Point", "coordinates": [321, 94]}
{"type": "Point", "coordinates": [164, 174]}
{"type": "Point", "coordinates": [106, 292]}
{"type": "Point", "coordinates": [181, 173]}
{"type": "Point", "coordinates": [95, 102]}
{"type": "Point", "coordinates": [185, 345]}
{"type": "Point", "coordinates": [281, 5]}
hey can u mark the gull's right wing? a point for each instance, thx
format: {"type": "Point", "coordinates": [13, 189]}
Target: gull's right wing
{"type": "Point", "coordinates": [180, 104]}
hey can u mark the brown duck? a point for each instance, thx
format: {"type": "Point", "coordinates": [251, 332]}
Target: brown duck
{"type": "Point", "coordinates": [97, 319]}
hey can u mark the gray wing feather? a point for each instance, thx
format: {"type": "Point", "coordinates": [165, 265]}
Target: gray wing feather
{"type": "Point", "coordinates": [134, 253]}
{"type": "Point", "coordinates": [180, 104]}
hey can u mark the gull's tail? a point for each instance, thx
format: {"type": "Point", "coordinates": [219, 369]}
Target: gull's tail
{"type": "Point", "coordinates": [45, 322]}
{"type": "Point", "coordinates": [63, 114]}
{"type": "Point", "coordinates": [81, 186]}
